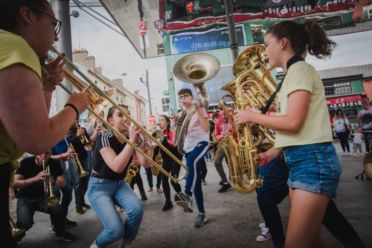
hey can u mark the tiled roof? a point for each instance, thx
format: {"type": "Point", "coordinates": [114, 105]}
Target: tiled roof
{"type": "Point", "coordinates": [365, 70]}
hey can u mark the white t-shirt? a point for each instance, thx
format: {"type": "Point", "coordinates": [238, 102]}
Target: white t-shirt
{"type": "Point", "coordinates": [339, 125]}
{"type": "Point", "coordinates": [195, 132]}
{"type": "Point", "coordinates": [357, 138]}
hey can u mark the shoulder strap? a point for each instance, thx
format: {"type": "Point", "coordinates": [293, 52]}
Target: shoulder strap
{"type": "Point", "coordinates": [290, 62]}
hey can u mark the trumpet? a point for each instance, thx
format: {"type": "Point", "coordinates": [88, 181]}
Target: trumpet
{"type": "Point", "coordinates": [76, 162]}
{"type": "Point", "coordinates": [48, 190]}
{"type": "Point", "coordinates": [96, 97]}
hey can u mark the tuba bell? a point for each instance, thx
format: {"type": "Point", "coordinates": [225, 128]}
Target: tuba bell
{"type": "Point", "coordinates": [252, 87]}
{"type": "Point", "coordinates": [196, 69]}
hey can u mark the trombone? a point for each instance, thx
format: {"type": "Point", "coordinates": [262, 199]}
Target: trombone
{"type": "Point", "coordinates": [96, 96]}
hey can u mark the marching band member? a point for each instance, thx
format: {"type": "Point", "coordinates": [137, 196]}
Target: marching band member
{"type": "Point", "coordinates": [106, 186]}
{"type": "Point", "coordinates": [29, 182]}
{"type": "Point", "coordinates": [195, 146]}
{"type": "Point", "coordinates": [303, 130]}
{"type": "Point", "coordinates": [27, 31]}
{"type": "Point", "coordinates": [168, 163]}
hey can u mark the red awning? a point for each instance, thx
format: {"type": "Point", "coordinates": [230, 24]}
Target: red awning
{"type": "Point", "coordinates": [357, 99]}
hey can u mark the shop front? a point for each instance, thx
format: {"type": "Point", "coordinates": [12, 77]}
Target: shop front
{"type": "Point", "coordinates": [350, 105]}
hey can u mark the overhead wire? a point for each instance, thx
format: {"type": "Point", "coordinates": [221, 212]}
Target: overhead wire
{"type": "Point", "coordinates": [82, 7]}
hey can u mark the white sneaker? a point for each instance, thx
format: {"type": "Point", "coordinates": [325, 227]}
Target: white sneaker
{"type": "Point", "coordinates": [264, 235]}
{"type": "Point", "coordinates": [262, 225]}
{"type": "Point", "coordinates": [94, 245]}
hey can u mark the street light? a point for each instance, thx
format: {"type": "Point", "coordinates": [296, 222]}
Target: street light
{"type": "Point", "coordinates": [146, 83]}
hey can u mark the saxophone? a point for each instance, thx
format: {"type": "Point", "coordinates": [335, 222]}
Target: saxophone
{"type": "Point", "coordinates": [252, 87]}
{"type": "Point", "coordinates": [195, 69]}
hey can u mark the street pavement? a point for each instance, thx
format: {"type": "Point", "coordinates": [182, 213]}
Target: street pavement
{"type": "Point", "coordinates": [233, 218]}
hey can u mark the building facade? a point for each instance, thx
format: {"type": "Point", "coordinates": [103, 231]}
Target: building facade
{"type": "Point", "coordinates": [113, 88]}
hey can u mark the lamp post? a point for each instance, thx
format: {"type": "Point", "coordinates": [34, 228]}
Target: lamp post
{"type": "Point", "coordinates": [146, 83]}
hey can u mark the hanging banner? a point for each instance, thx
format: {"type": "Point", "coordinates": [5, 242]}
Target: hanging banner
{"type": "Point", "coordinates": [194, 41]}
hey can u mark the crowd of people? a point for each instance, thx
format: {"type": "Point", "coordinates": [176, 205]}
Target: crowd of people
{"type": "Point", "coordinates": [92, 162]}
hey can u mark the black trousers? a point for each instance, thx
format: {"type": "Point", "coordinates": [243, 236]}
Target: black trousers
{"type": "Point", "coordinates": [174, 169]}
{"type": "Point", "coordinates": [5, 236]}
{"type": "Point", "coordinates": [137, 179]}
{"type": "Point", "coordinates": [275, 189]}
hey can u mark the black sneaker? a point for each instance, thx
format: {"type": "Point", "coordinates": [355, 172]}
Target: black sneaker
{"type": "Point", "coordinates": [185, 201]}
{"type": "Point", "coordinates": [66, 237]}
{"type": "Point", "coordinates": [143, 197]}
{"type": "Point", "coordinates": [79, 211]}
{"type": "Point", "coordinates": [70, 223]}
{"type": "Point", "coordinates": [224, 188]}
{"type": "Point", "coordinates": [167, 206]}
{"type": "Point", "coordinates": [86, 206]}
{"type": "Point", "coordinates": [221, 183]}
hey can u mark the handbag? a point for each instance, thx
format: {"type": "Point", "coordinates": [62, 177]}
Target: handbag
{"type": "Point", "coordinates": [347, 131]}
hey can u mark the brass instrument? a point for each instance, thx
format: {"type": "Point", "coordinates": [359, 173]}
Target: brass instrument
{"type": "Point", "coordinates": [159, 135]}
{"type": "Point", "coordinates": [15, 231]}
{"type": "Point", "coordinates": [196, 69]}
{"type": "Point", "coordinates": [252, 87]}
{"type": "Point", "coordinates": [96, 97]}
{"type": "Point", "coordinates": [48, 190]}
{"type": "Point", "coordinates": [131, 173]}
{"type": "Point", "coordinates": [76, 162]}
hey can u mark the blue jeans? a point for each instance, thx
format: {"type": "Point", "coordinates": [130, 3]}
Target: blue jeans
{"type": "Point", "coordinates": [79, 184]}
{"type": "Point", "coordinates": [103, 195]}
{"type": "Point", "coordinates": [194, 178]}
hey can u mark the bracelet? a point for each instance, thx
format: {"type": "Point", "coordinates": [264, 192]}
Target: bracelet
{"type": "Point", "coordinates": [74, 108]}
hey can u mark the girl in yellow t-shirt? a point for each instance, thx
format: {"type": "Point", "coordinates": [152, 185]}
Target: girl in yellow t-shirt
{"type": "Point", "coordinates": [303, 129]}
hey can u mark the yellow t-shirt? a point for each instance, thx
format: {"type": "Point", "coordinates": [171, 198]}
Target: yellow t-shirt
{"type": "Point", "coordinates": [14, 50]}
{"type": "Point", "coordinates": [317, 127]}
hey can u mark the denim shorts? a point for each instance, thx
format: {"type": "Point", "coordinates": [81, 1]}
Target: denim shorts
{"type": "Point", "coordinates": [313, 168]}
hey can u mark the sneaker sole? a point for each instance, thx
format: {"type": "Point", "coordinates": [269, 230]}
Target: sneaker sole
{"type": "Point", "coordinates": [185, 205]}
{"type": "Point", "coordinates": [202, 224]}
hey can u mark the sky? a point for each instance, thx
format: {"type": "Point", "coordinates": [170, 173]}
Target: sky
{"type": "Point", "coordinates": [116, 56]}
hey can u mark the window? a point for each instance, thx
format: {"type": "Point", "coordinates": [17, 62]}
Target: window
{"type": "Point", "coordinates": [338, 88]}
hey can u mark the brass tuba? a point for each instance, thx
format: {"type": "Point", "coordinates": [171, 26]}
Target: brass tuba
{"type": "Point", "coordinates": [48, 189]}
{"type": "Point", "coordinates": [195, 69]}
{"type": "Point", "coordinates": [252, 87]}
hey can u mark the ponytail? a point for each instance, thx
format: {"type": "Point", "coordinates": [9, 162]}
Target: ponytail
{"type": "Point", "coordinates": [318, 43]}
{"type": "Point", "coordinates": [304, 37]}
